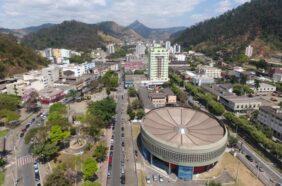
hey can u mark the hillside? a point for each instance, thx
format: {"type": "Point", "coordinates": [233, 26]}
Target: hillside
{"type": "Point", "coordinates": [20, 33]}
{"type": "Point", "coordinates": [16, 58]}
{"type": "Point", "coordinates": [69, 34]}
{"type": "Point", "coordinates": [258, 22]}
{"type": "Point", "coordinates": [115, 30]}
{"type": "Point", "coordinates": [153, 33]}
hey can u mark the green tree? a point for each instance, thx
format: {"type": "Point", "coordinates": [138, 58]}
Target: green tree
{"type": "Point", "coordinates": [100, 152]}
{"type": "Point", "coordinates": [72, 93]}
{"type": "Point", "coordinates": [132, 92]}
{"type": "Point", "coordinates": [105, 109]}
{"type": "Point", "coordinates": [90, 183]}
{"type": "Point", "coordinates": [9, 102]}
{"type": "Point", "coordinates": [110, 79]}
{"type": "Point", "coordinates": [232, 140]}
{"type": "Point", "coordinates": [213, 183]}
{"type": "Point", "coordinates": [57, 178]}
{"type": "Point", "coordinates": [136, 104]}
{"type": "Point", "coordinates": [257, 84]}
{"type": "Point", "coordinates": [45, 151]}
{"type": "Point", "coordinates": [89, 168]}
{"type": "Point", "coordinates": [3, 162]}
{"type": "Point", "coordinates": [59, 108]}
{"type": "Point", "coordinates": [140, 113]}
{"type": "Point", "coordinates": [57, 134]}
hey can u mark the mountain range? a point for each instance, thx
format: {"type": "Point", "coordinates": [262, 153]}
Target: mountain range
{"type": "Point", "coordinates": [81, 36]}
{"type": "Point", "coordinates": [257, 23]}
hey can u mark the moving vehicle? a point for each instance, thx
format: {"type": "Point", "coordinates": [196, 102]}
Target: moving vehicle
{"type": "Point", "coordinates": [249, 158]}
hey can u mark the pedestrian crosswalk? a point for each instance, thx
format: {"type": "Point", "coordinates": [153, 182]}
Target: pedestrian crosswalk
{"type": "Point", "coordinates": [25, 160]}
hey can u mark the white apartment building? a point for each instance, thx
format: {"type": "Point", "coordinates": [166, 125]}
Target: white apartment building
{"type": "Point", "coordinates": [17, 88]}
{"type": "Point", "coordinates": [209, 71]}
{"type": "Point", "coordinates": [180, 57]}
{"type": "Point", "coordinates": [272, 118]}
{"type": "Point", "coordinates": [158, 63]}
{"type": "Point", "coordinates": [176, 48]}
{"type": "Point", "coordinates": [167, 45]}
{"type": "Point", "coordinates": [77, 70]}
{"type": "Point", "coordinates": [111, 48]}
{"type": "Point", "coordinates": [140, 50]}
{"type": "Point", "coordinates": [249, 51]}
{"type": "Point", "coordinates": [201, 80]}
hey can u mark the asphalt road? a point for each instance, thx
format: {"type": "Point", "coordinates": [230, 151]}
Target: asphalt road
{"type": "Point", "coordinates": [26, 170]}
{"type": "Point", "coordinates": [117, 153]}
{"type": "Point", "coordinates": [268, 173]}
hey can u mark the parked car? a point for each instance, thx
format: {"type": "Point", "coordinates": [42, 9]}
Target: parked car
{"type": "Point", "coordinates": [249, 158]}
{"type": "Point", "coordinates": [122, 143]}
{"type": "Point", "coordinates": [21, 134]}
{"type": "Point", "coordinates": [122, 134]}
{"type": "Point", "coordinates": [161, 179]}
{"type": "Point", "coordinates": [148, 180]}
{"type": "Point", "coordinates": [122, 179]}
{"type": "Point", "coordinates": [155, 178]}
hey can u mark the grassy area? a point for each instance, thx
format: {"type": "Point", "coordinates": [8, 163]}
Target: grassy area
{"type": "Point", "coordinates": [141, 178]}
{"type": "Point", "coordinates": [257, 151]}
{"type": "Point", "coordinates": [3, 133]}
{"type": "Point", "coordinates": [2, 176]}
{"type": "Point", "coordinates": [135, 131]}
{"type": "Point", "coordinates": [232, 164]}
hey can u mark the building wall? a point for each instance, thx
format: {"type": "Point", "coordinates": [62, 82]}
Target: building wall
{"type": "Point", "coordinates": [158, 64]}
{"type": "Point", "coordinates": [239, 106]}
{"type": "Point", "coordinates": [271, 121]}
{"type": "Point", "coordinates": [159, 102]}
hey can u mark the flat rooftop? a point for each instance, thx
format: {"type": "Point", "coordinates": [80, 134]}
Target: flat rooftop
{"type": "Point", "coordinates": [179, 126]}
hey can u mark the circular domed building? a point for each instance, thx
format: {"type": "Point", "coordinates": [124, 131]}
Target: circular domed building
{"type": "Point", "coordinates": [182, 140]}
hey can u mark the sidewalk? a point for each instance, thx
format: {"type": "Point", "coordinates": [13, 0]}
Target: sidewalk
{"type": "Point", "coordinates": [103, 167]}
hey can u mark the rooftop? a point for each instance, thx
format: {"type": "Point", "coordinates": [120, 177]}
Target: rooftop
{"type": "Point", "coordinates": [178, 126]}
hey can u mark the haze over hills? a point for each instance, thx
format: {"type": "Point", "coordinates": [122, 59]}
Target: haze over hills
{"type": "Point", "coordinates": [153, 33]}
{"type": "Point", "coordinates": [257, 23]}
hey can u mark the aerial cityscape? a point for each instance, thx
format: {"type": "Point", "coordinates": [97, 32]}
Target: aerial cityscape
{"type": "Point", "coordinates": [141, 93]}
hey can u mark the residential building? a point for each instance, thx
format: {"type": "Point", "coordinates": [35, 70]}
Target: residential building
{"type": "Point", "coordinates": [201, 80]}
{"type": "Point", "coordinates": [158, 99]}
{"type": "Point", "coordinates": [272, 118]}
{"type": "Point", "coordinates": [51, 95]}
{"type": "Point", "coordinates": [17, 88]}
{"type": "Point", "coordinates": [133, 65]}
{"type": "Point", "coordinates": [219, 90]}
{"type": "Point", "coordinates": [73, 70]}
{"type": "Point", "coordinates": [249, 51]}
{"type": "Point", "coordinates": [264, 88]}
{"type": "Point", "coordinates": [180, 57]}
{"type": "Point", "coordinates": [140, 50]}
{"type": "Point", "coordinates": [111, 48]}
{"type": "Point", "coordinates": [209, 71]}
{"type": "Point", "coordinates": [158, 64]}
{"type": "Point", "coordinates": [167, 45]}
{"type": "Point", "coordinates": [176, 48]}
{"type": "Point", "coordinates": [240, 103]}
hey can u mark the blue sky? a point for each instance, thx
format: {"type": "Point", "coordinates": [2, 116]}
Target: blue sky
{"type": "Point", "coordinates": [153, 13]}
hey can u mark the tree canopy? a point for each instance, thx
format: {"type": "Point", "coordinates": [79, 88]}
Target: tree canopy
{"type": "Point", "coordinates": [89, 168]}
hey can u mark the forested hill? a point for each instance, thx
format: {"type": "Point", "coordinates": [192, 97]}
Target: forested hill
{"type": "Point", "coordinates": [69, 34]}
{"type": "Point", "coordinates": [16, 58]}
{"type": "Point", "coordinates": [258, 22]}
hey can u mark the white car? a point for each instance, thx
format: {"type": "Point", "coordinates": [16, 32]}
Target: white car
{"type": "Point", "coordinates": [148, 180]}
{"type": "Point", "coordinates": [161, 179]}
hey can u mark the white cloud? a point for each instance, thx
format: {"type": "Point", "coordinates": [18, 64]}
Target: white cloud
{"type": "Point", "coordinates": [154, 13]}
{"type": "Point", "coordinates": [223, 6]}
{"type": "Point", "coordinates": [241, 1]}
{"type": "Point", "coordinates": [33, 12]}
